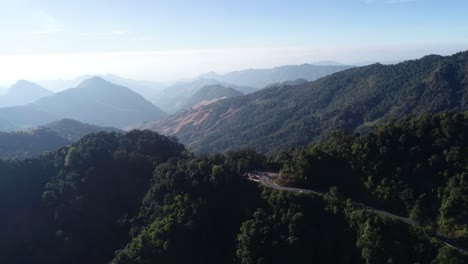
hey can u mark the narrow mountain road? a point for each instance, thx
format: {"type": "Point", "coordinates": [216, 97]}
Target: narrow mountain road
{"type": "Point", "coordinates": [266, 179]}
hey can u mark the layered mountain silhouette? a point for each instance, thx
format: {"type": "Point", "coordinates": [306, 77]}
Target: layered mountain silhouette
{"type": "Point", "coordinates": [260, 78]}
{"type": "Point", "coordinates": [94, 101]}
{"type": "Point", "coordinates": [35, 141]}
{"type": "Point", "coordinates": [147, 89]}
{"type": "Point", "coordinates": [209, 94]}
{"type": "Point", "coordinates": [23, 117]}
{"type": "Point", "coordinates": [354, 100]}
{"type": "Point", "coordinates": [23, 92]}
{"type": "Point", "coordinates": [73, 130]}
{"type": "Point", "coordinates": [174, 97]}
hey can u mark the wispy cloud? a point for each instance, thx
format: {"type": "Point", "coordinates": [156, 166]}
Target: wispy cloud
{"type": "Point", "coordinates": [45, 23]}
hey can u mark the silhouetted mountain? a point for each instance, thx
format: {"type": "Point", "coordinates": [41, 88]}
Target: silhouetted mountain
{"type": "Point", "coordinates": [353, 100]}
{"type": "Point", "coordinates": [209, 94]}
{"type": "Point", "coordinates": [61, 85]}
{"type": "Point", "coordinates": [173, 97]}
{"type": "Point", "coordinates": [23, 92]}
{"type": "Point", "coordinates": [73, 130]}
{"type": "Point", "coordinates": [24, 117]}
{"type": "Point", "coordinates": [147, 89]}
{"type": "Point", "coordinates": [94, 101]}
{"type": "Point", "coordinates": [260, 78]}
{"type": "Point", "coordinates": [35, 141]}
{"type": "Point", "coordinates": [100, 102]}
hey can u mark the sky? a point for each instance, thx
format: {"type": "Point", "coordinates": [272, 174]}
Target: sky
{"type": "Point", "coordinates": [169, 40]}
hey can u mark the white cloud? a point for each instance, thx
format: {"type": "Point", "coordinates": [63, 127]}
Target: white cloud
{"type": "Point", "coordinates": [45, 23]}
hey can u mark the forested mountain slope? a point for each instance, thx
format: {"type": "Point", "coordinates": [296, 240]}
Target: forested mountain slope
{"type": "Point", "coordinates": [73, 205]}
{"type": "Point", "coordinates": [141, 198]}
{"type": "Point", "coordinates": [352, 100]}
{"type": "Point", "coordinates": [209, 94]}
{"type": "Point", "coordinates": [412, 167]}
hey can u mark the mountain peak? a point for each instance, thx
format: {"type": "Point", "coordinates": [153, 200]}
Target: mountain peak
{"type": "Point", "coordinates": [95, 80]}
{"type": "Point", "coordinates": [100, 102]}
{"type": "Point", "coordinates": [25, 83]}
{"type": "Point", "coordinates": [208, 75]}
{"type": "Point", "coordinates": [24, 87]}
{"type": "Point", "coordinates": [211, 93]}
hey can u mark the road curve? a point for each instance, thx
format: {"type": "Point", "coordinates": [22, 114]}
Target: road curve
{"type": "Point", "coordinates": [266, 179]}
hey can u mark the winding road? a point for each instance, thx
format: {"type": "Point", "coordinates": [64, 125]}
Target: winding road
{"type": "Point", "coordinates": [266, 179]}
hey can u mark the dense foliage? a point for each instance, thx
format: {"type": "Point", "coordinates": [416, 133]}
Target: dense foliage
{"type": "Point", "coordinates": [413, 167]}
{"type": "Point", "coordinates": [141, 198]}
{"type": "Point", "coordinates": [199, 211]}
{"type": "Point", "coordinates": [71, 206]}
{"type": "Point", "coordinates": [357, 99]}
{"type": "Point", "coordinates": [193, 211]}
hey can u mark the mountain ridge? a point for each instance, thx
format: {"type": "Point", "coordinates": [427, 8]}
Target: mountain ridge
{"type": "Point", "coordinates": [261, 78]}
{"type": "Point", "coordinates": [173, 98]}
{"type": "Point", "coordinates": [94, 101]}
{"type": "Point", "coordinates": [210, 93]}
{"type": "Point", "coordinates": [23, 92]}
{"type": "Point", "coordinates": [354, 100]}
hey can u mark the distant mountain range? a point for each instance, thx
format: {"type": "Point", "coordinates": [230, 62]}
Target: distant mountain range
{"type": "Point", "coordinates": [260, 78]}
{"type": "Point", "coordinates": [147, 89]}
{"type": "Point", "coordinates": [171, 98]}
{"type": "Point", "coordinates": [73, 130]}
{"type": "Point", "coordinates": [354, 100]}
{"type": "Point", "coordinates": [94, 101]}
{"type": "Point", "coordinates": [35, 141]}
{"type": "Point", "coordinates": [174, 97]}
{"type": "Point", "coordinates": [209, 94]}
{"type": "Point", "coordinates": [23, 92]}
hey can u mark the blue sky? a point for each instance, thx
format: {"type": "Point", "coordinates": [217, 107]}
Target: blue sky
{"type": "Point", "coordinates": [163, 40]}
